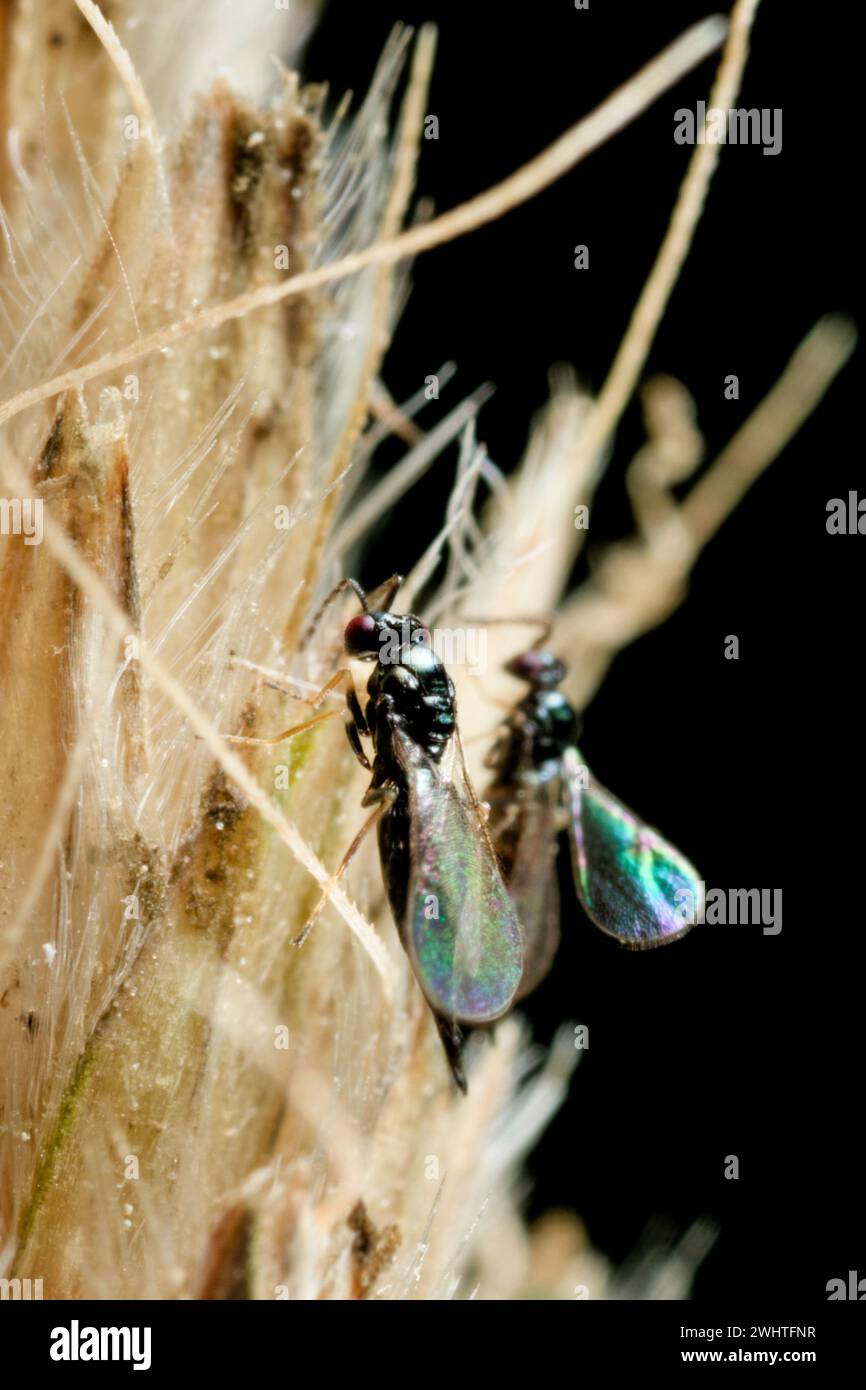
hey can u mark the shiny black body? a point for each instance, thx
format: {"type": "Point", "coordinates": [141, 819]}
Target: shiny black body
{"type": "Point", "coordinates": [540, 728]}
{"type": "Point", "coordinates": [527, 815]}
{"type": "Point", "coordinates": [538, 731]}
{"type": "Point", "coordinates": [414, 694]}
{"type": "Point", "coordinates": [408, 692]}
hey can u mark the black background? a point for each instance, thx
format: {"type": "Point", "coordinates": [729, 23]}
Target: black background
{"type": "Point", "coordinates": [731, 1042]}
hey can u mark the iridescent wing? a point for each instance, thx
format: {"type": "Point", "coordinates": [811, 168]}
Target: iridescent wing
{"type": "Point", "coordinates": [631, 882]}
{"type": "Point", "coordinates": [524, 825]}
{"type": "Point", "coordinates": [460, 929]}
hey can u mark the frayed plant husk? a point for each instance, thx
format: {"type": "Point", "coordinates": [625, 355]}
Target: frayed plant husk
{"type": "Point", "coordinates": [191, 1105]}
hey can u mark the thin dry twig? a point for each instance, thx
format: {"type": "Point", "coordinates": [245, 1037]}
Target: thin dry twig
{"type": "Point", "coordinates": [90, 584]}
{"type": "Point", "coordinates": [690, 49]}
{"type": "Point", "coordinates": [818, 359]}
{"type": "Point", "coordinates": [621, 107]}
{"type": "Point", "coordinates": [638, 583]}
{"type": "Point", "coordinates": [632, 352]}
{"type": "Point", "coordinates": [124, 67]}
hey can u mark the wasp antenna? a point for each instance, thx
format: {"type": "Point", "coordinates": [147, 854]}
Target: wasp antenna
{"type": "Point", "coordinates": [383, 596]}
{"type": "Point", "coordinates": [338, 589]}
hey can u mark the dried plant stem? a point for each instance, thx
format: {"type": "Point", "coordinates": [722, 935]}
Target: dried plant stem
{"type": "Point", "coordinates": [639, 583]}
{"type": "Point", "coordinates": [63, 804]}
{"type": "Point", "coordinates": [818, 359]}
{"type": "Point", "coordinates": [90, 584]}
{"type": "Point", "coordinates": [623, 106]}
{"type": "Point", "coordinates": [688, 50]}
{"type": "Point", "coordinates": [400, 479]}
{"type": "Point", "coordinates": [395, 210]}
{"type": "Point", "coordinates": [125, 69]}
{"type": "Point", "coordinates": [632, 353]}
{"type": "Point", "coordinates": [156, 1008]}
{"type": "Point", "coordinates": [535, 522]}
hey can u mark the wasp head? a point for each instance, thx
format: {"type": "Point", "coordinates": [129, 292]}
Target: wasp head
{"type": "Point", "coordinates": [541, 670]}
{"type": "Point", "coordinates": [367, 634]}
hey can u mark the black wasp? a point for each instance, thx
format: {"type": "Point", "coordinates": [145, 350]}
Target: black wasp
{"type": "Point", "coordinates": [629, 880]}
{"type": "Point", "coordinates": [453, 913]}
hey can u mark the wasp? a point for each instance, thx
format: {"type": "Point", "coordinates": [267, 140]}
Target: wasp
{"type": "Point", "coordinates": [453, 913]}
{"type": "Point", "coordinates": [630, 881]}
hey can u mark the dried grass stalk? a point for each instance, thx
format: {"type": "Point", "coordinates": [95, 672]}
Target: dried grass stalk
{"type": "Point", "coordinates": [193, 314]}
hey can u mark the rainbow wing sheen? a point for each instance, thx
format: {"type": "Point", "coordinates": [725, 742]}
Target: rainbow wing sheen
{"type": "Point", "coordinates": [461, 930]}
{"type": "Point", "coordinates": [630, 881]}
{"type": "Point", "coordinates": [524, 825]}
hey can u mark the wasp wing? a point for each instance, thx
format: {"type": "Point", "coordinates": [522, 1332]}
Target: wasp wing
{"type": "Point", "coordinates": [460, 928]}
{"type": "Point", "coordinates": [632, 883]}
{"type": "Point", "coordinates": [525, 821]}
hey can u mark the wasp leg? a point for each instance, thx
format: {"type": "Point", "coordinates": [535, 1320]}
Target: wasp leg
{"type": "Point", "coordinates": [275, 680]}
{"type": "Point", "coordinates": [496, 753]}
{"type": "Point", "coordinates": [344, 674]}
{"type": "Point", "coordinates": [352, 734]}
{"type": "Point", "coordinates": [356, 726]}
{"type": "Point", "coordinates": [356, 712]}
{"type": "Point", "coordinates": [453, 1043]}
{"type": "Point", "coordinates": [384, 798]}
{"type": "Point", "coordinates": [338, 589]}
{"type": "Point", "coordinates": [286, 734]}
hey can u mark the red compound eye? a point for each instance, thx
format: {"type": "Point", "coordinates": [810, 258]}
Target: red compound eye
{"type": "Point", "coordinates": [528, 666]}
{"type": "Point", "coordinates": [537, 668]}
{"type": "Point", "coordinates": [362, 635]}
